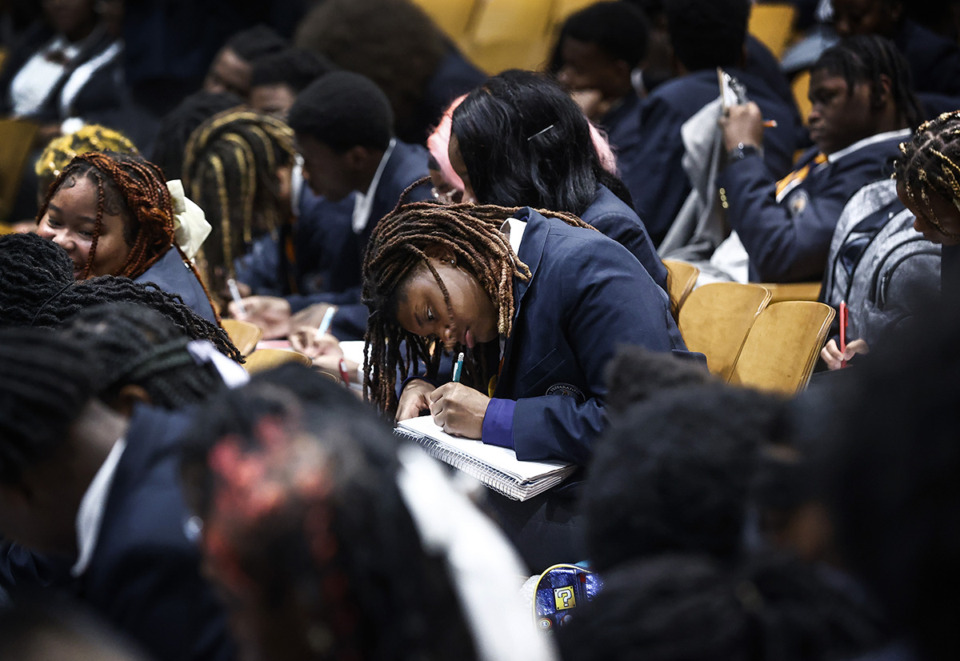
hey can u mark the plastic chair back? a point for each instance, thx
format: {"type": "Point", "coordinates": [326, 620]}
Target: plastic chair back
{"type": "Point", "coordinates": [782, 347]}
{"type": "Point", "coordinates": [773, 25]}
{"type": "Point", "coordinates": [681, 277]}
{"type": "Point", "coordinates": [716, 318]}
{"type": "Point", "coordinates": [243, 334]}
{"type": "Point", "coordinates": [16, 136]}
{"type": "Point", "coordinates": [262, 360]}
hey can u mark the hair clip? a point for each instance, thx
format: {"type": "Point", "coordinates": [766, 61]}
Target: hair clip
{"type": "Point", "coordinates": [539, 133]}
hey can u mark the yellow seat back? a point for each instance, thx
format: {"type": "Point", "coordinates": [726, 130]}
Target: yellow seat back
{"type": "Point", "coordinates": [681, 277]}
{"type": "Point", "coordinates": [793, 291]}
{"type": "Point", "coordinates": [262, 360]}
{"type": "Point", "coordinates": [801, 88]}
{"type": "Point", "coordinates": [715, 321]}
{"type": "Point", "coordinates": [506, 34]}
{"type": "Point", "coordinates": [451, 16]}
{"type": "Point", "coordinates": [243, 334]}
{"type": "Point", "coordinates": [16, 136]}
{"type": "Point", "coordinates": [782, 347]}
{"type": "Point", "coordinates": [772, 23]}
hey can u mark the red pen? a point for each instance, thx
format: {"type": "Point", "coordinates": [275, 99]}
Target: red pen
{"type": "Point", "coordinates": [343, 372]}
{"type": "Point", "coordinates": [843, 331]}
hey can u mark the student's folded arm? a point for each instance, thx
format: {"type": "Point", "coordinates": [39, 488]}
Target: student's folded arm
{"type": "Point", "coordinates": [607, 301]}
{"type": "Point", "coordinates": [783, 245]}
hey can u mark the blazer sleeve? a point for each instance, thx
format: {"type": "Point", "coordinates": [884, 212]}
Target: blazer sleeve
{"type": "Point", "coordinates": [783, 245]}
{"type": "Point", "coordinates": [607, 301]}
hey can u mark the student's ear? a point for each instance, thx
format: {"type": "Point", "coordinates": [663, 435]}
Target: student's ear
{"type": "Point", "coordinates": [129, 396]}
{"type": "Point", "coordinates": [883, 93]}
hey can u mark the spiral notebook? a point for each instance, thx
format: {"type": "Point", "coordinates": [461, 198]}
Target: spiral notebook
{"type": "Point", "coordinates": [496, 467]}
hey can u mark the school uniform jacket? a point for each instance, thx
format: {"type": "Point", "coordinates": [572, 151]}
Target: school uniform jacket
{"type": "Point", "coordinates": [612, 216]}
{"type": "Point", "coordinates": [660, 186]}
{"type": "Point", "coordinates": [406, 164]}
{"type": "Point", "coordinates": [586, 297]}
{"type": "Point", "coordinates": [788, 240]}
{"type": "Point", "coordinates": [173, 276]}
{"type": "Point", "coordinates": [144, 576]}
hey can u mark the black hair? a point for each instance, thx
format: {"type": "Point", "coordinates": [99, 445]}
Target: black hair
{"type": "Point", "coordinates": [394, 43]}
{"type": "Point", "coordinates": [294, 67]}
{"type": "Point", "coordinates": [177, 125]}
{"type": "Point", "coordinates": [635, 374]}
{"type": "Point", "coordinates": [708, 33]}
{"type": "Point", "coordinates": [31, 270]}
{"type": "Point", "coordinates": [616, 27]}
{"type": "Point", "coordinates": [132, 344]}
{"type": "Point", "coordinates": [651, 8]}
{"type": "Point", "coordinates": [343, 110]}
{"type": "Point", "coordinates": [256, 42]}
{"type": "Point", "coordinates": [673, 475]}
{"type": "Point", "coordinates": [689, 608]}
{"type": "Point", "coordinates": [339, 548]}
{"type": "Point", "coordinates": [524, 141]}
{"type": "Point", "coordinates": [45, 383]}
{"type": "Point", "coordinates": [864, 59]}
{"type": "Point", "coordinates": [893, 481]}
{"type": "Point", "coordinates": [36, 289]}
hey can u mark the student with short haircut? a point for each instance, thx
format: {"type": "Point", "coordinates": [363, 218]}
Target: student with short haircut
{"type": "Point", "coordinates": [863, 106]}
{"type": "Point", "coordinates": [278, 78]}
{"type": "Point", "coordinates": [100, 487]}
{"type": "Point", "coordinates": [231, 69]}
{"type": "Point", "coordinates": [343, 127]}
{"type": "Point", "coordinates": [598, 48]}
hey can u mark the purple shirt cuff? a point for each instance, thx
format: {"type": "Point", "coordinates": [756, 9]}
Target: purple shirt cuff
{"type": "Point", "coordinates": [498, 423]}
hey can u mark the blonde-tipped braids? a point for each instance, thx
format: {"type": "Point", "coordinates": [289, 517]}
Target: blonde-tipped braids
{"type": "Point", "coordinates": [931, 163]}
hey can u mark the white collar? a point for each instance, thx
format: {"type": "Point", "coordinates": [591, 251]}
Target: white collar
{"type": "Point", "coordinates": [94, 502]}
{"type": "Point", "coordinates": [361, 210]}
{"type": "Point", "coordinates": [866, 142]}
{"type": "Point", "coordinates": [514, 229]}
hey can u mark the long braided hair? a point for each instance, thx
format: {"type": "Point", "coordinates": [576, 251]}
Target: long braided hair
{"type": "Point", "coordinates": [397, 248]}
{"type": "Point", "coordinates": [135, 189]}
{"type": "Point", "coordinates": [931, 163]}
{"type": "Point", "coordinates": [230, 170]}
{"type": "Point", "coordinates": [132, 344]}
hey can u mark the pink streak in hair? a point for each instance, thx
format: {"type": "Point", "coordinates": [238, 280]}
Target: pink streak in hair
{"type": "Point", "coordinates": [439, 141]}
{"type": "Point", "coordinates": [607, 160]}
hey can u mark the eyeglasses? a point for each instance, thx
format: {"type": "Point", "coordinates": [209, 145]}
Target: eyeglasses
{"type": "Point", "coordinates": [449, 196]}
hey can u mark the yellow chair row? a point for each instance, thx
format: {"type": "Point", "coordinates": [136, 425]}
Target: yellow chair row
{"type": "Point", "coordinates": [751, 336]}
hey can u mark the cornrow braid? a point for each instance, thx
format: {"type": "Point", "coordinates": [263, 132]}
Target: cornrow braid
{"type": "Point", "coordinates": [931, 163]}
{"type": "Point", "coordinates": [865, 58]}
{"type": "Point", "coordinates": [230, 170]}
{"type": "Point", "coordinates": [73, 299]}
{"type": "Point", "coordinates": [44, 385]}
{"type": "Point", "coordinates": [135, 189]}
{"type": "Point", "coordinates": [132, 344]}
{"type": "Point", "coordinates": [398, 246]}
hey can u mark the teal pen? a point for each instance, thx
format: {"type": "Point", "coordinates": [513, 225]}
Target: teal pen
{"type": "Point", "coordinates": [458, 368]}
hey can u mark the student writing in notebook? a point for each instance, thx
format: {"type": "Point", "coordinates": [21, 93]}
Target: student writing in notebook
{"type": "Point", "coordinates": [538, 305]}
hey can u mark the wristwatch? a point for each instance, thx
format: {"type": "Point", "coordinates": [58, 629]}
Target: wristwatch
{"type": "Point", "coordinates": [740, 152]}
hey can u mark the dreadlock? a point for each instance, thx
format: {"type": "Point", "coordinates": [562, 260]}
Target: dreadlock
{"type": "Point", "coordinates": [44, 385]}
{"type": "Point", "coordinates": [132, 344]}
{"type": "Point", "coordinates": [864, 59]}
{"type": "Point", "coordinates": [399, 246]}
{"type": "Point", "coordinates": [230, 170]}
{"type": "Point", "coordinates": [135, 189]}
{"type": "Point", "coordinates": [68, 301]}
{"type": "Point", "coordinates": [60, 151]}
{"type": "Point", "coordinates": [931, 162]}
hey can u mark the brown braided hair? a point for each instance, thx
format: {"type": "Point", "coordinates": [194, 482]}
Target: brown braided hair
{"type": "Point", "coordinates": [397, 248]}
{"type": "Point", "coordinates": [931, 163]}
{"type": "Point", "coordinates": [230, 170]}
{"type": "Point", "coordinates": [135, 189]}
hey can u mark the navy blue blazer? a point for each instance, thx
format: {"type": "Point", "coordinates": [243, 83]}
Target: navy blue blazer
{"type": "Point", "coordinates": [144, 576]}
{"type": "Point", "coordinates": [406, 164]}
{"type": "Point", "coordinates": [586, 297]}
{"type": "Point", "coordinates": [661, 185]}
{"type": "Point", "coordinates": [788, 241]}
{"type": "Point", "coordinates": [171, 274]}
{"type": "Point", "coordinates": [145, 573]}
{"type": "Point", "coordinates": [612, 216]}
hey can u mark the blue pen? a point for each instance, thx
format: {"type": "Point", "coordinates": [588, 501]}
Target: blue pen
{"type": "Point", "coordinates": [458, 369]}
